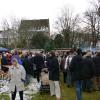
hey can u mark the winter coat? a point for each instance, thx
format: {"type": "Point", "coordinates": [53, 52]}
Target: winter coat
{"type": "Point", "coordinates": [17, 78]}
{"type": "Point", "coordinates": [31, 65]}
{"type": "Point", "coordinates": [25, 64]}
{"type": "Point", "coordinates": [39, 62]}
{"type": "Point", "coordinates": [53, 67]}
{"type": "Point", "coordinates": [96, 61]}
{"type": "Point", "coordinates": [62, 64]}
{"type": "Point", "coordinates": [87, 71]}
{"type": "Point", "coordinates": [76, 67]}
{"type": "Point", "coordinates": [82, 68]}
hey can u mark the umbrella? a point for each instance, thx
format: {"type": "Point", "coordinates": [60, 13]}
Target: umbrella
{"type": "Point", "coordinates": [3, 49]}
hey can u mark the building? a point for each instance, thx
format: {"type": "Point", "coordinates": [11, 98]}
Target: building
{"type": "Point", "coordinates": [1, 37]}
{"type": "Point", "coordinates": [29, 27]}
{"type": "Point", "coordinates": [8, 37]}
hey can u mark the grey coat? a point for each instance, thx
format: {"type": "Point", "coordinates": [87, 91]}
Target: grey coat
{"type": "Point", "coordinates": [17, 75]}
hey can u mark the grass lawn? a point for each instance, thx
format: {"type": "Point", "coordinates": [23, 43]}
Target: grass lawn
{"type": "Point", "coordinates": [67, 94]}
{"type": "Point", "coordinates": [4, 97]}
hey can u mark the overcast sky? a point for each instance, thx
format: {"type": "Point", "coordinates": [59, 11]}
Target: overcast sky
{"type": "Point", "coordinates": [37, 9]}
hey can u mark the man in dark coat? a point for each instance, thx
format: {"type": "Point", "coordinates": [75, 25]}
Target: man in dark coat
{"type": "Point", "coordinates": [82, 69]}
{"type": "Point", "coordinates": [53, 67]}
{"type": "Point", "coordinates": [39, 62]}
{"type": "Point", "coordinates": [25, 63]}
{"type": "Point", "coordinates": [96, 61]}
{"type": "Point", "coordinates": [31, 64]}
{"type": "Point", "coordinates": [75, 68]}
{"type": "Point", "coordinates": [88, 72]}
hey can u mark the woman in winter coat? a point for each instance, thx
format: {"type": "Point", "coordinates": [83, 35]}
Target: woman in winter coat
{"type": "Point", "coordinates": [53, 67]}
{"type": "Point", "coordinates": [17, 76]}
{"type": "Point", "coordinates": [96, 61]}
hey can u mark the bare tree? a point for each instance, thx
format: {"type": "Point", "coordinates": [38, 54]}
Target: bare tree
{"type": "Point", "coordinates": [5, 27]}
{"type": "Point", "coordinates": [66, 24]}
{"type": "Point", "coordinates": [10, 31]}
{"type": "Point", "coordinates": [15, 23]}
{"type": "Point", "coordinates": [93, 21]}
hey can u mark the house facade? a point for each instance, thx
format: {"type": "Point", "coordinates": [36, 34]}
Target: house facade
{"type": "Point", "coordinates": [8, 37]}
{"type": "Point", "coordinates": [29, 27]}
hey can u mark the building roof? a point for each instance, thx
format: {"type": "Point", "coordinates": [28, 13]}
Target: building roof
{"type": "Point", "coordinates": [36, 24]}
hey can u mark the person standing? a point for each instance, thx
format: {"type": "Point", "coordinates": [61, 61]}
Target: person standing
{"type": "Point", "coordinates": [88, 72]}
{"type": "Point", "coordinates": [53, 67]}
{"type": "Point", "coordinates": [31, 64]}
{"type": "Point", "coordinates": [62, 64]}
{"type": "Point", "coordinates": [82, 69]}
{"type": "Point", "coordinates": [66, 67]}
{"type": "Point", "coordinates": [96, 61]}
{"type": "Point", "coordinates": [75, 68]}
{"type": "Point", "coordinates": [25, 64]}
{"type": "Point", "coordinates": [39, 62]}
{"type": "Point", "coordinates": [17, 76]}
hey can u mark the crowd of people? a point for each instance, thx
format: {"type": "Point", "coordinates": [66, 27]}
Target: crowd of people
{"type": "Point", "coordinates": [80, 70]}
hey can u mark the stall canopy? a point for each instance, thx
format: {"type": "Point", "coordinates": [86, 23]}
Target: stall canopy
{"type": "Point", "coordinates": [3, 49]}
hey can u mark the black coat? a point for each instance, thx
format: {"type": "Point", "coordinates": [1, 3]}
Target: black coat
{"type": "Point", "coordinates": [81, 68]}
{"type": "Point", "coordinates": [88, 68]}
{"type": "Point", "coordinates": [96, 61]}
{"type": "Point", "coordinates": [31, 62]}
{"type": "Point", "coordinates": [31, 65]}
{"type": "Point", "coordinates": [25, 63]}
{"type": "Point", "coordinates": [39, 62]}
{"type": "Point", "coordinates": [62, 65]}
{"type": "Point", "coordinates": [53, 67]}
{"type": "Point", "coordinates": [76, 67]}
